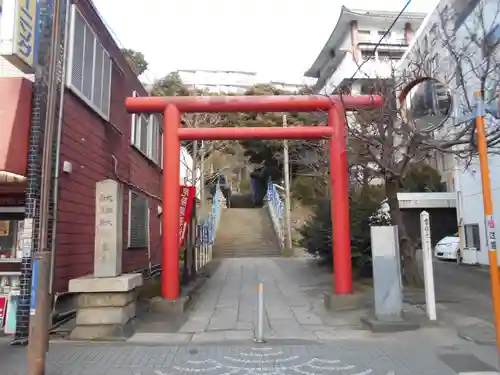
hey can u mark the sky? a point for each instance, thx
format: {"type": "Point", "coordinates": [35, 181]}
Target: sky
{"type": "Point", "coordinates": [278, 39]}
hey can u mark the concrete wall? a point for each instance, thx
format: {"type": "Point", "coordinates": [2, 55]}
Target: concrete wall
{"type": "Point", "coordinates": [89, 143]}
{"type": "Point", "coordinates": [472, 198]}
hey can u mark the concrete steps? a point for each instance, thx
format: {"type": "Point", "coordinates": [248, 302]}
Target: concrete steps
{"type": "Point", "coordinates": [245, 232]}
{"type": "Point", "coordinates": [240, 200]}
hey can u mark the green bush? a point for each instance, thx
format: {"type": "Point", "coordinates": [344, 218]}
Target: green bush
{"type": "Point", "coordinates": [317, 232]}
{"type": "Point", "coordinates": [307, 189]}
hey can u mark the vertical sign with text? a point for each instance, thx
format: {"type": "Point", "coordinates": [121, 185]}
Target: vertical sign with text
{"type": "Point", "coordinates": [34, 279]}
{"type": "Point", "coordinates": [186, 209]}
{"type": "Point", "coordinates": [25, 31]}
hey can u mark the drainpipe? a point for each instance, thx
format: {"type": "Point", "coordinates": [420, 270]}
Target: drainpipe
{"type": "Point", "coordinates": [458, 190]}
{"type": "Point", "coordinates": [58, 147]}
{"type": "Point", "coordinates": [458, 186]}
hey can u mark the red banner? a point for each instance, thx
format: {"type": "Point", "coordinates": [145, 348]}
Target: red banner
{"type": "Point", "coordinates": [3, 310]}
{"type": "Point", "coordinates": [188, 194]}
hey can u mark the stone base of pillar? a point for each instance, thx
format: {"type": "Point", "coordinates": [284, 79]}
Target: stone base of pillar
{"type": "Point", "coordinates": [105, 306]}
{"type": "Point", "coordinates": [389, 324]}
{"type": "Point", "coordinates": [342, 302]}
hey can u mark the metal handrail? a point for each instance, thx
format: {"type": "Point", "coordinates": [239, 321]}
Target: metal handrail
{"type": "Point", "coordinates": [276, 207]}
{"type": "Point", "coordinates": [207, 230]}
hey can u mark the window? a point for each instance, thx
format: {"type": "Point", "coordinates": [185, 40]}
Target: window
{"type": "Point", "coordinates": [368, 55]}
{"type": "Point", "coordinates": [146, 135]}
{"type": "Point", "coordinates": [11, 232]}
{"type": "Point", "coordinates": [89, 67]}
{"type": "Point", "coordinates": [138, 222]}
{"type": "Point", "coordinates": [389, 55]}
{"type": "Point", "coordinates": [472, 238]}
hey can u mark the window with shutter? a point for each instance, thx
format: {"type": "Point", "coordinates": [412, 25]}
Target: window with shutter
{"type": "Point", "coordinates": [143, 146]}
{"type": "Point", "coordinates": [146, 135]}
{"type": "Point", "coordinates": [88, 63]}
{"type": "Point", "coordinates": [97, 89]}
{"type": "Point", "coordinates": [138, 220]}
{"type": "Point", "coordinates": [154, 138]}
{"type": "Point", "coordinates": [76, 50]}
{"type": "Point", "coordinates": [161, 149]}
{"type": "Point", "coordinates": [89, 73]}
{"type": "Point", "coordinates": [106, 87]}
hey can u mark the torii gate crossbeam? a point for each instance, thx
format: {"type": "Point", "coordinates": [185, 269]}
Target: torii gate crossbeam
{"type": "Point", "coordinates": [173, 107]}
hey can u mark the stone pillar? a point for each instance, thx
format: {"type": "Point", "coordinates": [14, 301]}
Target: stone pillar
{"type": "Point", "coordinates": [109, 229]}
{"type": "Point", "coordinates": [356, 52]}
{"type": "Point", "coordinates": [408, 33]}
{"type": "Point", "coordinates": [387, 283]}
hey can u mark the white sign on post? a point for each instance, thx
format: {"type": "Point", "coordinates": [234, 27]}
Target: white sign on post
{"type": "Point", "coordinates": [425, 235]}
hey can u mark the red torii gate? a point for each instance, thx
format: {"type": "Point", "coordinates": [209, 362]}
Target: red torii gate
{"type": "Point", "coordinates": [173, 134]}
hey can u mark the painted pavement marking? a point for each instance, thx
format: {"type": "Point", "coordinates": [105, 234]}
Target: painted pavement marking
{"type": "Point", "coordinates": [268, 363]}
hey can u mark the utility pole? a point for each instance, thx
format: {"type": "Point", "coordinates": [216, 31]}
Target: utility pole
{"type": "Point", "coordinates": [489, 220]}
{"type": "Point", "coordinates": [286, 167]}
{"type": "Point", "coordinates": [40, 319]}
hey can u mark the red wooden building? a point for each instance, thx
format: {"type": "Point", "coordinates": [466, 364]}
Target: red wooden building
{"type": "Point", "coordinates": [98, 140]}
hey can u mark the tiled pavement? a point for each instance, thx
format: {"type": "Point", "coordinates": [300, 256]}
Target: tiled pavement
{"type": "Point", "coordinates": [340, 357]}
{"type": "Point", "coordinates": [303, 339]}
{"type": "Point", "coordinates": [227, 307]}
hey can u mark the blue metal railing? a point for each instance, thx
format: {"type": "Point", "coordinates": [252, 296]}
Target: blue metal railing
{"type": "Point", "coordinates": [276, 207]}
{"type": "Point", "coordinates": [207, 230]}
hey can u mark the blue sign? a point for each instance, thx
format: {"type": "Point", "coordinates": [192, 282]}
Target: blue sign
{"type": "Point", "coordinates": [34, 281]}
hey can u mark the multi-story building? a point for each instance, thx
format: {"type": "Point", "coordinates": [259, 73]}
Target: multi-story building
{"type": "Point", "coordinates": [365, 38]}
{"type": "Point", "coordinates": [444, 36]}
{"type": "Point", "coordinates": [97, 140]}
{"type": "Point", "coordinates": [364, 46]}
{"type": "Point", "coordinates": [232, 82]}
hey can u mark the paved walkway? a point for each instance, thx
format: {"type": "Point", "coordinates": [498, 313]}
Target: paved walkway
{"type": "Point", "coordinates": [302, 338]}
{"type": "Point", "coordinates": [227, 307]}
{"type": "Point", "coordinates": [346, 357]}
{"type": "Point", "coordinates": [464, 300]}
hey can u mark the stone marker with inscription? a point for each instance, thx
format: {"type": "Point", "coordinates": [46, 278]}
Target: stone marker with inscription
{"type": "Point", "coordinates": [107, 299]}
{"type": "Point", "coordinates": [109, 229]}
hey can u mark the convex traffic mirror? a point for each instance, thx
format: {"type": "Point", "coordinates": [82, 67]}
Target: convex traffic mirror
{"type": "Point", "coordinates": [425, 104]}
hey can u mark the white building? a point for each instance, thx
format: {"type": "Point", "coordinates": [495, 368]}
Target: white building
{"type": "Point", "coordinates": [232, 82]}
{"type": "Point", "coordinates": [452, 25]}
{"type": "Point", "coordinates": [353, 40]}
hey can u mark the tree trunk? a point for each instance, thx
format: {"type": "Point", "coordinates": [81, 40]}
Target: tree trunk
{"type": "Point", "coordinates": [366, 180]}
{"type": "Point", "coordinates": [407, 247]}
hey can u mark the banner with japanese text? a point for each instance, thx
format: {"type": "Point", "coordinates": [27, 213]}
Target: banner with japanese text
{"type": "Point", "coordinates": [188, 194]}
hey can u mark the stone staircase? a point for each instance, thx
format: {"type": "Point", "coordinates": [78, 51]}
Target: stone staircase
{"type": "Point", "coordinates": [245, 232]}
